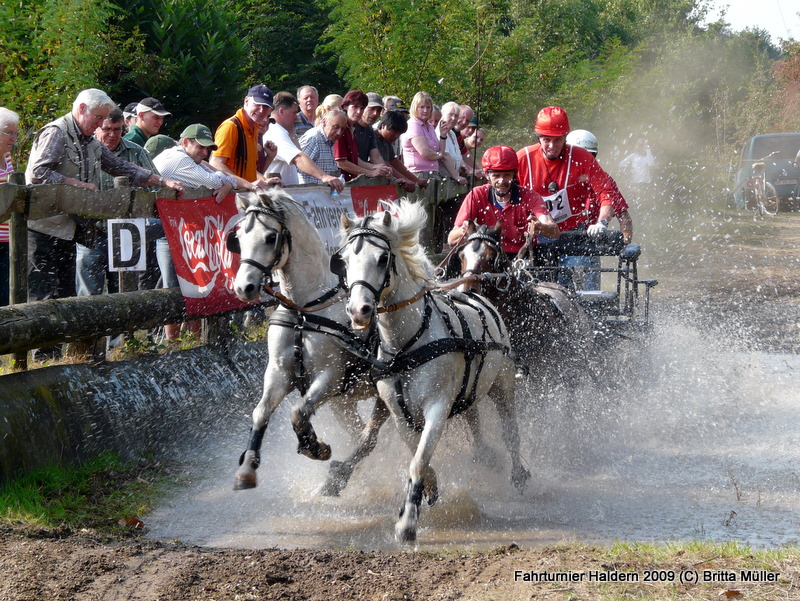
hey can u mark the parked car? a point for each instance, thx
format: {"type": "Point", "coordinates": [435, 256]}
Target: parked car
{"type": "Point", "coordinates": [779, 152]}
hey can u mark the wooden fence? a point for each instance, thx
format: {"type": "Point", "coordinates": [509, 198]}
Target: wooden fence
{"type": "Point", "coordinates": [25, 325]}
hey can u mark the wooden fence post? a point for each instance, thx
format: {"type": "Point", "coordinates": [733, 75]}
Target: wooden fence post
{"type": "Point", "coordinates": [18, 257]}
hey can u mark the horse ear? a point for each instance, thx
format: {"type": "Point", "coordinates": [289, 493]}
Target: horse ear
{"type": "Point", "coordinates": [470, 226]}
{"type": "Point", "coordinates": [387, 218]}
{"type": "Point", "coordinates": [243, 200]}
{"type": "Point", "coordinates": [345, 221]}
{"type": "Point", "coordinates": [497, 228]}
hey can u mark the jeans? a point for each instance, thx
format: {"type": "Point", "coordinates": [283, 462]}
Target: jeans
{"type": "Point", "coordinates": [169, 279]}
{"type": "Point", "coordinates": [91, 269]}
{"type": "Point", "coordinates": [148, 279]}
{"type": "Point", "coordinates": [51, 267]}
{"type": "Point", "coordinates": [5, 264]}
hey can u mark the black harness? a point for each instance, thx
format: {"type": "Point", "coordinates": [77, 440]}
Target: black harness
{"type": "Point", "coordinates": [300, 321]}
{"type": "Point", "coordinates": [407, 359]}
{"type": "Point", "coordinates": [282, 236]}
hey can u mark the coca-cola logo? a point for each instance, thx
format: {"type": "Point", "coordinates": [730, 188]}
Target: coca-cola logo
{"type": "Point", "coordinates": [204, 251]}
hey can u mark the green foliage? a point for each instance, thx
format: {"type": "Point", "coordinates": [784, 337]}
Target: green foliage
{"type": "Point", "coordinates": [96, 494]}
{"type": "Point", "coordinates": [281, 40]}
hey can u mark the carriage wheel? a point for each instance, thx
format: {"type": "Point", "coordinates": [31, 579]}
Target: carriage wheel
{"type": "Point", "coordinates": [772, 202]}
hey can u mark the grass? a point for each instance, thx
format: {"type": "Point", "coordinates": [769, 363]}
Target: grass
{"type": "Point", "coordinates": [103, 494]}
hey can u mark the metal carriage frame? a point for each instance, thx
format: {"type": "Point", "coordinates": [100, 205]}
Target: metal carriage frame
{"type": "Point", "coordinates": [621, 311]}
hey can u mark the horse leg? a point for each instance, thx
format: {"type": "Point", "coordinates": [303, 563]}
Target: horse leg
{"type": "Point", "coordinates": [406, 526]}
{"type": "Point", "coordinates": [276, 387]}
{"type": "Point", "coordinates": [504, 400]}
{"type": "Point", "coordinates": [340, 471]}
{"type": "Point", "coordinates": [483, 453]}
{"type": "Point", "coordinates": [307, 442]}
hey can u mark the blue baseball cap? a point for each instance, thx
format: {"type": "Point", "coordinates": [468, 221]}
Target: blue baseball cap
{"type": "Point", "coordinates": [261, 94]}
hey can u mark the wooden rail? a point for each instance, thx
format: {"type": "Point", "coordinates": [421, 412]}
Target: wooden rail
{"type": "Point", "coordinates": [24, 325]}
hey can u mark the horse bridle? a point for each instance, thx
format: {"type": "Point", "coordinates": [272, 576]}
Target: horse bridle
{"type": "Point", "coordinates": [283, 236]}
{"type": "Point", "coordinates": [358, 236]}
{"type": "Point", "coordinates": [492, 243]}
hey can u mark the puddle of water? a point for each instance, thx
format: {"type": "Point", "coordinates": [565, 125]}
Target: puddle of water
{"type": "Point", "coordinates": [705, 445]}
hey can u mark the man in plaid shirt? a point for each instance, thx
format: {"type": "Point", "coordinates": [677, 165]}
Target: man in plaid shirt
{"type": "Point", "coordinates": [317, 144]}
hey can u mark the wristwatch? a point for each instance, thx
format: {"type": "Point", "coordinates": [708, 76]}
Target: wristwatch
{"type": "Point", "coordinates": [604, 222]}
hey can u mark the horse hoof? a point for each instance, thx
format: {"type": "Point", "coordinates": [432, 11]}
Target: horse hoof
{"type": "Point", "coordinates": [244, 482]}
{"type": "Point", "coordinates": [405, 534]}
{"type": "Point", "coordinates": [319, 451]}
{"type": "Point", "coordinates": [338, 477]}
{"type": "Point", "coordinates": [519, 478]}
{"type": "Point", "coordinates": [432, 495]}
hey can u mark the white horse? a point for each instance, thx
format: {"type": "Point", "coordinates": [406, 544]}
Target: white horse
{"type": "Point", "coordinates": [307, 350]}
{"type": "Point", "coordinates": [438, 352]}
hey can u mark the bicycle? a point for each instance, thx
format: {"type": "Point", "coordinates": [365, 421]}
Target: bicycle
{"type": "Point", "coordinates": [762, 195]}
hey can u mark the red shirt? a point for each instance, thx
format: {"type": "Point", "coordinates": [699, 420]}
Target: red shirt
{"type": "Point", "coordinates": [588, 189]}
{"type": "Point", "coordinates": [346, 148]}
{"type": "Point", "coordinates": [479, 207]}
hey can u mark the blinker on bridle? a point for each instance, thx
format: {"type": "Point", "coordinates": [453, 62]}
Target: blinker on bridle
{"type": "Point", "coordinates": [283, 235]}
{"type": "Point", "coordinates": [552, 187]}
{"type": "Point", "coordinates": [357, 237]}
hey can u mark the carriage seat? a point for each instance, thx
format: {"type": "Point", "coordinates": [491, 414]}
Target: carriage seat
{"type": "Point", "coordinates": [631, 252]}
{"type": "Point", "coordinates": [597, 297]}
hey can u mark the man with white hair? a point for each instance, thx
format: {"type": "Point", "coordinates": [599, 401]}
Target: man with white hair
{"type": "Point", "coordinates": [150, 115]}
{"type": "Point", "coordinates": [65, 152]}
{"type": "Point", "coordinates": [308, 99]}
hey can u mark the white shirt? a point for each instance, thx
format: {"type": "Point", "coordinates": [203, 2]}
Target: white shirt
{"type": "Point", "coordinates": [451, 147]}
{"type": "Point", "coordinates": [175, 163]}
{"type": "Point", "coordinates": [287, 151]}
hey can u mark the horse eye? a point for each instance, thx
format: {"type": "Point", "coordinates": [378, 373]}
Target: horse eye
{"type": "Point", "coordinates": [271, 238]}
{"type": "Point", "coordinates": [383, 259]}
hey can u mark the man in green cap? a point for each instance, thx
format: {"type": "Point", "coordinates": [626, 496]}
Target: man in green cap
{"type": "Point", "coordinates": [186, 162]}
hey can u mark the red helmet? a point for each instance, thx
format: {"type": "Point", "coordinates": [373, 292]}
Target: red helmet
{"type": "Point", "coordinates": [552, 121]}
{"type": "Point", "coordinates": [500, 158]}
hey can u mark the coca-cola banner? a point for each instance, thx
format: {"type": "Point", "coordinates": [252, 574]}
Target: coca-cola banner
{"type": "Point", "coordinates": [196, 230]}
{"type": "Point", "coordinates": [371, 199]}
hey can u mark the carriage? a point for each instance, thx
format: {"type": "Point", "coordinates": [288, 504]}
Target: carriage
{"type": "Point", "coordinates": [624, 310]}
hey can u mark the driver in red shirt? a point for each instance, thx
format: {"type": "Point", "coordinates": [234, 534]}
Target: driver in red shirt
{"type": "Point", "coordinates": [502, 199]}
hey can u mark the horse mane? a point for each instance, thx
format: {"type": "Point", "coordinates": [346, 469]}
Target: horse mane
{"type": "Point", "coordinates": [403, 234]}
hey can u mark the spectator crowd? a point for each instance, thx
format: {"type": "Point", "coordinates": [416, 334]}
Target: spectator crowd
{"type": "Point", "coordinates": [274, 139]}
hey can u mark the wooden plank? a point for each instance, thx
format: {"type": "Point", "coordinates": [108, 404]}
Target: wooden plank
{"type": "Point", "coordinates": [40, 323]}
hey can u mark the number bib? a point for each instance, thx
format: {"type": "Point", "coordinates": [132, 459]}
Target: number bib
{"type": "Point", "coordinates": [558, 205]}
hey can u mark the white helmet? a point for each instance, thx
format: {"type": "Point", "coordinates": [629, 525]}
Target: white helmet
{"type": "Point", "coordinates": [584, 139]}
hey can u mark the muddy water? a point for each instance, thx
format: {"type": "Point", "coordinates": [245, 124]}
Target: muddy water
{"type": "Point", "coordinates": [692, 434]}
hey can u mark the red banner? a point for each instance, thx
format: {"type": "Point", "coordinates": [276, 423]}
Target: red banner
{"type": "Point", "coordinates": [196, 231]}
{"type": "Point", "coordinates": [368, 199]}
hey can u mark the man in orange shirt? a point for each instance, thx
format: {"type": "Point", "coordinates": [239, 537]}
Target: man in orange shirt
{"type": "Point", "coordinates": [237, 139]}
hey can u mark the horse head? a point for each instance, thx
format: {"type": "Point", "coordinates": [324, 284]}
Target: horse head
{"type": "Point", "coordinates": [377, 251]}
{"type": "Point", "coordinates": [261, 237]}
{"type": "Point", "coordinates": [481, 253]}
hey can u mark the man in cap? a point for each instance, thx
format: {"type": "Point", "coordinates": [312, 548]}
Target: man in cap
{"type": "Point", "coordinates": [364, 132]}
{"type": "Point", "coordinates": [308, 99]}
{"type": "Point", "coordinates": [150, 115]}
{"type": "Point", "coordinates": [129, 113]}
{"type": "Point", "coordinates": [185, 162]}
{"type": "Point", "coordinates": [290, 158]}
{"type": "Point", "coordinates": [393, 103]}
{"type": "Point", "coordinates": [237, 139]}
{"type": "Point", "coordinates": [91, 267]}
